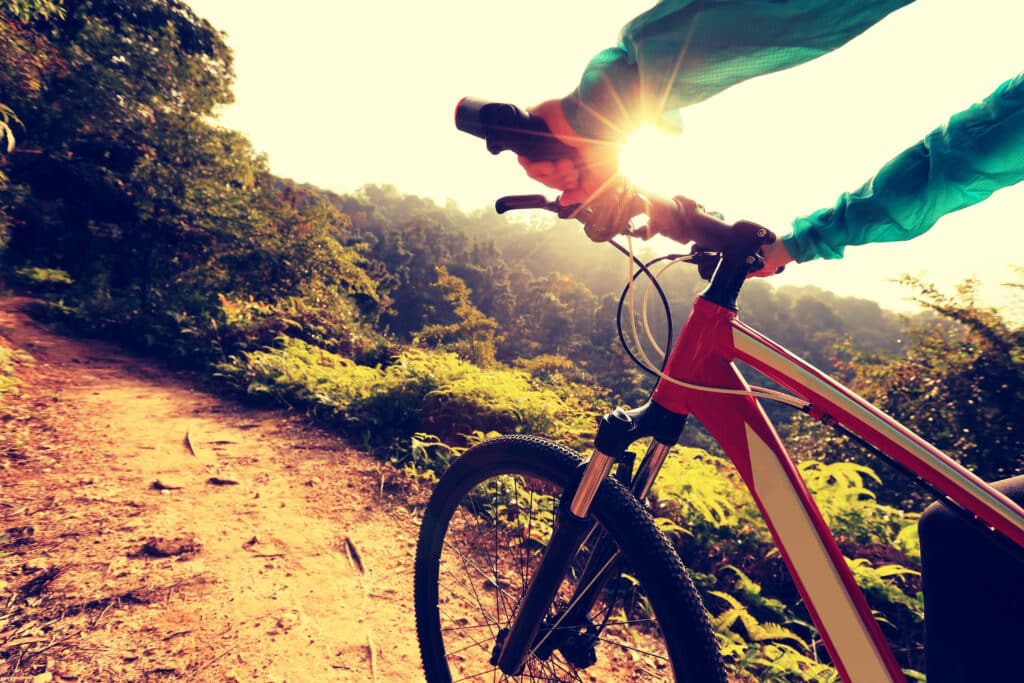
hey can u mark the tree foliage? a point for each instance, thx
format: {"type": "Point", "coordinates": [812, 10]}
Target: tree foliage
{"type": "Point", "coordinates": [472, 334]}
{"type": "Point", "coordinates": [160, 218]}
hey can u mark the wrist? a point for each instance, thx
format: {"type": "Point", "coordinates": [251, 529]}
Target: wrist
{"type": "Point", "coordinates": [776, 257]}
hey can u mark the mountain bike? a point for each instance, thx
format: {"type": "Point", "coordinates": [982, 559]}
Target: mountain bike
{"type": "Point", "coordinates": [536, 563]}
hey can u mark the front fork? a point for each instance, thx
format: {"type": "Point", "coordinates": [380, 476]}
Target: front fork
{"type": "Point", "coordinates": [616, 432]}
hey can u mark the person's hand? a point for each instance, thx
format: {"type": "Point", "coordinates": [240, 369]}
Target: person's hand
{"type": "Point", "coordinates": [580, 179]}
{"type": "Point", "coordinates": [776, 256]}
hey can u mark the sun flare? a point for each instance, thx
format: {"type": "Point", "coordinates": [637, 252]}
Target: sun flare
{"type": "Point", "coordinates": [653, 160]}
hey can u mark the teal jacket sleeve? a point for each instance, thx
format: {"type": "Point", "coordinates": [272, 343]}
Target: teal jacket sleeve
{"type": "Point", "coordinates": [961, 163]}
{"type": "Point", "coordinates": [680, 52]}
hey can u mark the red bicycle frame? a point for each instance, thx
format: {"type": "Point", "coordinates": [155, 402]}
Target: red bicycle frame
{"type": "Point", "coordinates": [712, 339]}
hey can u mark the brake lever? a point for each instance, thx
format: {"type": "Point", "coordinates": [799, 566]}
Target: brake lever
{"type": "Point", "coordinates": [535, 201]}
{"type": "Point", "coordinates": [602, 219]}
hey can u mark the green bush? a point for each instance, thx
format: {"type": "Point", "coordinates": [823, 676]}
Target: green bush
{"type": "Point", "coordinates": [43, 280]}
{"type": "Point", "coordinates": [299, 374]}
{"type": "Point", "coordinates": [420, 391]}
{"type": "Point", "coordinates": [325, 319]}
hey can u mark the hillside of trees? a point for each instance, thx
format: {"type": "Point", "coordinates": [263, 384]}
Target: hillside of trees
{"type": "Point", "coordinates": [417, 328]}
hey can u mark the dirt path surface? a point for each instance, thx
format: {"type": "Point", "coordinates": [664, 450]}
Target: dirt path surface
{"type": "Point", "coordinates": [152, 531]}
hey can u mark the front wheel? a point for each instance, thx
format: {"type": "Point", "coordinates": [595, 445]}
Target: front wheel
{"type": "Point", "coordinates": [481, 540]}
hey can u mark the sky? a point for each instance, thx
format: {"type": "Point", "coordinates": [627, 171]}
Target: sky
{"type": "Point", "coordinates": [340, 94]}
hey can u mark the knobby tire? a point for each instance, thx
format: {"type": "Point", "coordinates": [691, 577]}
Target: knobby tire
{"type": "Point", "coordinates": [480, 539]}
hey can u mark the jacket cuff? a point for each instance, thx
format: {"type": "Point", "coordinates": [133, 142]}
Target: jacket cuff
{"type": "Point", "coordinates": [605, 106]}
{"type": "Point", "coordinates": [807, 242]}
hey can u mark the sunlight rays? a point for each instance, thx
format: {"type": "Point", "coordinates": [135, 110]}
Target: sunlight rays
{"type": "Point", "coordinates": [641, 154]}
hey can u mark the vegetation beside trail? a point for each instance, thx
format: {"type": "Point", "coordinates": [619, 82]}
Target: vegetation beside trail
{"type": "Point", "coordinates": [417, 329]}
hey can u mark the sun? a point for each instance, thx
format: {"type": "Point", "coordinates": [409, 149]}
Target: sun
{"type": "Point", "coordinates": [654, 160]}
{"type": "Point", "coordinates": [695, 163]}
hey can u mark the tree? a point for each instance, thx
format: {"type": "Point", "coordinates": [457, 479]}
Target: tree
{"type": "Point", "coordinates": [171, 228]}
{"type": "Point", "coordinates": [129, 78]}
{"type": "Point", "coordinates": [962, 391]}
{"type": "Point", "coordinates": [25, 10]}
{"type": "Point", "coordinates": [472, 335]}
{"type": "Point", "coordinates": [27, 59]}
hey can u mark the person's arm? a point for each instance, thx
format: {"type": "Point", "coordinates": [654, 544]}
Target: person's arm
{"type": "Point", "coordinates": [681, 52]}
{"type": "Point", "coordinates": [961, 163]}
{"type": "Point", "coordinates": [678, 53]}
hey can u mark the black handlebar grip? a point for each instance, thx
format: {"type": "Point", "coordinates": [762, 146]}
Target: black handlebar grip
{"type": "Point", "coordinates": [523, 201]}
{"type": "Point", "coordinates": [507, 127]}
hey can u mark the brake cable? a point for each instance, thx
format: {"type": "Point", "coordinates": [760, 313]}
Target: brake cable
{"type": "Point", "coordinates": [643, 269]}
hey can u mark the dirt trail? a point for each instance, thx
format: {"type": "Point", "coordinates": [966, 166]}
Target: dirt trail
{"type": "Point", "coordinates": [152, 531]}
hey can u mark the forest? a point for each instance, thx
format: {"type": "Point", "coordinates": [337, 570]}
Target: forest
{"type": "Point", "coordinates": [417, 329]}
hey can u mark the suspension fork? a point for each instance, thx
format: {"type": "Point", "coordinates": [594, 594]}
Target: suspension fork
{"type": "Point", "coordinates": [601, 566]}
{"type": "Point", "coordinates": [617, 430]}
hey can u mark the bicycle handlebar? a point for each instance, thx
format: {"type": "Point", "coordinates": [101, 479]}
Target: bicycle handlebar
{"type": "Point", "coordinates": [506, 127]}
{"type": "Point", "coordinates": [684, 220]}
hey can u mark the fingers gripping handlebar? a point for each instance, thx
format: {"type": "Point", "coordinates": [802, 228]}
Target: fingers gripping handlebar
{"type": "Point", "coordinates": [505, 127]}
